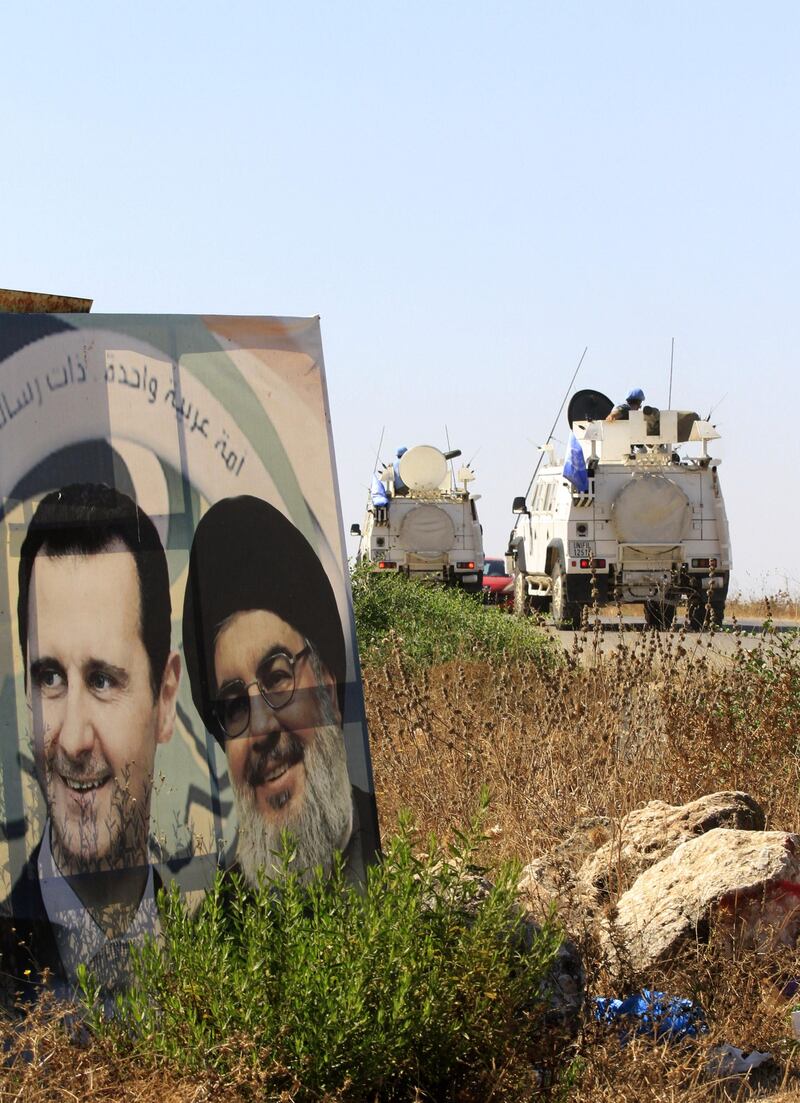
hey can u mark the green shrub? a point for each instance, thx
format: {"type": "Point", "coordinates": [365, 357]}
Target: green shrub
{"type": "Point", "coordinates": [416, 982]}
{"type": "Point", "coordinates": [434, 624]}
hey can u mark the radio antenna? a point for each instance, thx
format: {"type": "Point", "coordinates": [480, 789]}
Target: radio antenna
{"type": "Point", "coordinates": [375, 466]}
{"type": "Point", "coordinates": [671, 361]}
{"type": "Point", "coordinates": [555, 422]}
{"type": "Point", "coordinates": [452, 469]}
{"type": "Point", "coordinates": [377, 454]}
{"type": "Point", "coordinates": [716, 406]}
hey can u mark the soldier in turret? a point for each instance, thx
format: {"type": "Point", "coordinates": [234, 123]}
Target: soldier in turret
{"type": "Point", "coordinates": [633, 401]}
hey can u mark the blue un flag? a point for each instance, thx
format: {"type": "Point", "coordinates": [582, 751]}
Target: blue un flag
{"type": "Point", "coordinates": [575, 465]}
{"type": "Point", "coordinates": [378, 492]}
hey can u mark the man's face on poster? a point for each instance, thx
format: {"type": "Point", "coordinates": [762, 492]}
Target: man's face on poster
{"type": "Point", "coordinates": [288, 764]}
{"type": "Point", "coordinates": [96, 720]}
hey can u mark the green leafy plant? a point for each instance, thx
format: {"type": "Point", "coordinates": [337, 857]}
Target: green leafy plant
{"type": "Point", "coordinates": [420, 980]}
{"type": "Point", "coordinates": [434, 624]}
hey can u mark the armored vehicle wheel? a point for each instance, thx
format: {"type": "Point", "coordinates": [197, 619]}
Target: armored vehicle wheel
{"type": "Point", "coordinates": [718, 612]}
{"type": "Point", "coordinates": [697, 614]}
{"type": "Point", "coordinates": [659, 614]}
{"type": "Point", "coordinates": [522, 605]}
{"type": "Point", "coordinates": [565, 613]}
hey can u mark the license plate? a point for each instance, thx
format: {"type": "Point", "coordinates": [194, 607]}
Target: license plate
{"type": "Point", "coordinates": [582, 549]}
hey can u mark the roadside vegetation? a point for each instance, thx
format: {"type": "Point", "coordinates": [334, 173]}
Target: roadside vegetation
{"type": "Point", "coordinates": [666, 717]}
{"type": "Point", "coordinates": [415, 990]}
{"type": "Point", "coordinates": [425, 984]}
{"type": "Point", "coordinates": [418, 983]}
{"type": "Point", "coordinates": [781, 604]}
{"type": "Point", "coordinates": [432, 625]}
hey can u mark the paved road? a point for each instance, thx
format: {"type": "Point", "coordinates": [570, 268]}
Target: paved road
{"type": "Point", "coordinates": [723, 642]}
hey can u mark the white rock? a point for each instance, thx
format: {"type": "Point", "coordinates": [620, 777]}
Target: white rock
{"type": "Point", "coordinates": [746, 882]}
{"type": "Point", "coordinates": [647, 835]}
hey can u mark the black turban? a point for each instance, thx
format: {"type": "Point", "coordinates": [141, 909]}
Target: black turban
{"type": "Point", "coordinates": [247, 555]}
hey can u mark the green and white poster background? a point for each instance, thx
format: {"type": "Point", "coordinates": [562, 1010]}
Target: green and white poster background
{"type": "Point", "coordinates": [178, 412]}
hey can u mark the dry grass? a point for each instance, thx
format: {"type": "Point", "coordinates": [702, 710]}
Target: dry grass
{"type": "Point", "coordinates": [48, 1060]}
{"type": "Point", "coordinates": [783, 605]}
{"type": "Point", "coordinates": [655, 720]}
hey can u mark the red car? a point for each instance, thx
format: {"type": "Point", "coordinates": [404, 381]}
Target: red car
{"type": "Point", "coordinates": [498, 587]}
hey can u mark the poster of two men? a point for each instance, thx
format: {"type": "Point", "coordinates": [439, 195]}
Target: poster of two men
{"type": "Point", "coordinates": [179, 674]}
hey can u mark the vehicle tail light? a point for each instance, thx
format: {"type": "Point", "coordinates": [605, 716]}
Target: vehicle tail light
{"type": "Point", "coordinates": [466, 566]}
{"type": "Point", "coordinates": [386, 565]}
{"type": "Point", "coordinates": [708, 563]}
{"type": "Point", "coordinates": [585, 563]}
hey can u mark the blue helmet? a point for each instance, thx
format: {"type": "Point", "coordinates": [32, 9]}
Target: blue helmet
{"type": "Point", "coordinates": [635, 395]}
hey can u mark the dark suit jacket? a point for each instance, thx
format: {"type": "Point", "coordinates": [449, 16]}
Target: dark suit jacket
{"type": "Point", "coordinates": [29, 956]}
{"type": "Point", "coordinates": [28, 947]}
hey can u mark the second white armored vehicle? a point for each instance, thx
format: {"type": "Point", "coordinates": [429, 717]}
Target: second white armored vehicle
{"type": "Point", "coordinates": [422, 520]}
{"type": "Point", "coordinates": [628, 518]}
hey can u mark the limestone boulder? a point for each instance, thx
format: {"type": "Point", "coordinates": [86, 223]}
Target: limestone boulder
{"type": "Point", "coordinates": [648, 835]}
{"type": "Point", "coordinates": [552, 877]}
{"type": "Point", "coordinates": [744, 883]}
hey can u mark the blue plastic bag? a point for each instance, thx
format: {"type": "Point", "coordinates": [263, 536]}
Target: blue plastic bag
{"type": "Point", "coordinates": [666, 1018]}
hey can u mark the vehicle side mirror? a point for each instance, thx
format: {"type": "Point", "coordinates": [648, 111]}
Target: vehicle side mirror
{"type": "Point", "coordinates": [519, 506]}
{"type": "Point", "coordinates": [355, 530]}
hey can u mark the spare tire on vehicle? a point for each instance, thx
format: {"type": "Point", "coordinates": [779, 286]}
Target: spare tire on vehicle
{"type": "Point", "coordinates": [427, 531]}
{"type": "Point", "coordinates": [651, 509]}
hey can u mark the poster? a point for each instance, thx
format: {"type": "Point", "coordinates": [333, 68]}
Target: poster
{"type": "Point", "coordinates": [179, 674]}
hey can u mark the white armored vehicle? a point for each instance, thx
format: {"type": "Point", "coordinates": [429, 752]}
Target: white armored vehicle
{"type": "Point", "coordinates": [629, 517]}
{"type": "Point", "coordinates": [422, 521]}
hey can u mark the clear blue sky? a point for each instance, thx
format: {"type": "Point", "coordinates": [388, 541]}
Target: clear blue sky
{"type": "Point", "coordinates": [468, 194]}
